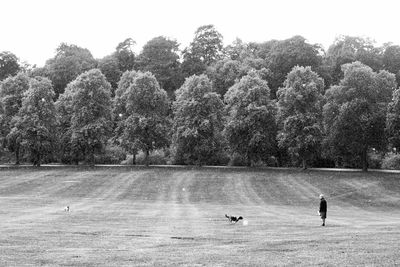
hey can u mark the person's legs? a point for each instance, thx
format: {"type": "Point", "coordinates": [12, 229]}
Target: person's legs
{"type": "Point", "coordinates": [323, 217]}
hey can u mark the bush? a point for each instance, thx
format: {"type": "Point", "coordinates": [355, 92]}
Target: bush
{"type": "Point", "coordinates": [374, 161]}
{"type": "Point", "coordinates": [157, 157]}
{"type": "Point", "coordinates": [111, 155]}
{"type": "Point", "coordinates": [391, 161]}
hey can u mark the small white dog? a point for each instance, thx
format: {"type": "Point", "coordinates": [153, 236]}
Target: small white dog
{"type": "Point", "coordinates": [66, 208]}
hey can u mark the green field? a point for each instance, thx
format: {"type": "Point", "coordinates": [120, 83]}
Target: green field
{"type": "Point", "coordinates": [175, 216]}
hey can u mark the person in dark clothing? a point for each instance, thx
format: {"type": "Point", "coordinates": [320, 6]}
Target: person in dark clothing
{"type": "Point", "coordinates": [323, 207]}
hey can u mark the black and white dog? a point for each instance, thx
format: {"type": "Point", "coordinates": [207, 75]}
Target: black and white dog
{"type": "Point", "coordinates": [233, 219]}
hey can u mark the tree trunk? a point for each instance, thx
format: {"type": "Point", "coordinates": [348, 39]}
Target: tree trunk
{"type": "Point", "coordinates": [17, 155]}
{"type": "Point", "coordinates": [248, 159]}
{"type": "Point", "coordinates": [38, 158]}
{"type": "Point", "coordinates": [364, 159]}
{"type": "Point", "coordinates": [304, 163]}
{"type": "Point", "coordinates": [92, 157]}
{"type": "Point", "coordinates": [146, 160]}
{"type": "Point", "coordinates": [134, 158]}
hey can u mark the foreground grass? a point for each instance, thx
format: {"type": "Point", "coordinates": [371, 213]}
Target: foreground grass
{"type": "Point", "coordinates": [158, 217]}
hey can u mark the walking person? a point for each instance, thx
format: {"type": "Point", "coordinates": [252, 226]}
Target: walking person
{"type": "Point", "coordinates": [323, 207]}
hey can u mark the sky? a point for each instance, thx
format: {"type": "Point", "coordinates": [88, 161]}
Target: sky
{"type": "Point", "coordinates": [33, 29]}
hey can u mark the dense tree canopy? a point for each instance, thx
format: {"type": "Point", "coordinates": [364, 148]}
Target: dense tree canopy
{"type": "Point", "coordinates": [391, 60]}
{"type": "Point", "coordinates": [36, 120]}
{"type": "Point", "coordinates": [300, 113]}
{"type": "Point", "coordinates": [393, 121]}
{"type": "Point", "coordinates": [347, 49]}
{"type": "Point", "coordinates": [9, 65]}
{"type": "Point", "coordinates": [197, 127]}
{"type": "Point", "coordinates": [12, 91]}
{"type": "Point", "coordinates": [205, 49]}
{"type": "Point", "coordinates": [108, 113]}
{"type": "Point", "coordinates": [160, 57]}
{"type": "Point", "coordinates": [67, 64]}
{"type": "Point", "coordinates": [250, 124]}
{"type": "Point", "coordinates": [91, 113]}
{"type": "Point", "coordinates": [354, 115]}
{"type": "Point", "coordinates": [282, 56]}
{"type": "Point", "coordinates": [146, 127]}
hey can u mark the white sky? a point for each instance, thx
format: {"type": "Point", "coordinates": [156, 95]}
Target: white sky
{"type": "Point", "coordinates": [32, 29]}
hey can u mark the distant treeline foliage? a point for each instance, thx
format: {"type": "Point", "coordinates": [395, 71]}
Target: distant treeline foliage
{"type": "Point", "coordinates": [276, 103]}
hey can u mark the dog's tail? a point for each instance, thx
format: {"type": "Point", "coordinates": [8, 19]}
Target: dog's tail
{"type": "Point", "coordinates": [240, 218]}
{"type": "Point", "coordinates": [227, 216]}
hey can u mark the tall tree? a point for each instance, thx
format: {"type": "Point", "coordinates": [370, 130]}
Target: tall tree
{"type": "Point", "coordinates": [110, 67]}
{"type": "Point", "coordinates": [37, 119]}
{"type": "Point", "coordinates": [9, 65]}
{"type": "Point", "coordinates": [224, 73]}
{"type": "Point", "coordinates": [197, 126]}
{"type": "Point", "coordinates": [12, 91]}
{"type": "Point", "coordinates": [65, 111]}
{"type": "Point", "coordinates": [347, 49]}
{"type": "Point", "coordinates": [146, 127]}
{"type": "Point", "coordinates": [125, 55]}
{"type": "Point", "coordinates": [91, 118]}
{"type": "Point", "coordinates": [160, 57]}
{"type": "Point", "coordinates": [250, 124]}
{"type": "Point", "coordinates": [355, 113]}
{"type": "Point", "coordinates": [282, 56]}
{"type": "Point", "coordinates": [205, 49]}
{"type": "Point", "coordinates": [391, 60]}
{"type": "Point", "coordinates": [121, 60]}
{"type": "Point", "coordinates": [120, 114]}
{"type": "Point", "coordinates": [393, 121]}
{"type": "Point", "coordinates": [300, 113]}
{"type": "Point", "coordinates": [67, 64]}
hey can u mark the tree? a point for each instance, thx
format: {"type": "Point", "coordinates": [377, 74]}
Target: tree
{"type": "Point", "coordinates": [65, 111]}
{"type": "Point", "coordinates": [239, 50]}
{"type": "Point", "coordinates": [120, 114]}
{"type": "Point", "coordinates": [160, 57]}
{"type": "Point", "coordinates": [282, 56]}
{"type": "Point", "coordinates": [355, 113]}
{"type": "Point", "coordinates": [125, 55]}
{"type": "Point", "coordinates": [250, 124]}
{"type": "Point", "coordinates": [205, 49]}
{"type": "Point", "coordinates": [224, 73]}
{"type": "Point", "coordinates": [9, 65]}
{"type": "Point", "coordinates": [91, 117]}
{"type": "Point", "coordinates": [347, 49]}
{"type": "Point", "coordinates": [12, 92]}
{"type": "Point", "coordinates": [393, 121]}
{"type": "Point", "coordinates": [197, 125]}
{"type": "Point", "coordinates": [391, 60]}
{"type": "Point", "coordinates": [121, 60]}
{"type": "Point", "coordinates": [36, 120]}
{"type": "Point", "coordinates": [67, 64]}
{"type": "Point", "coordinates": [146, 127]}
{"type": "Point", "coordinates": [300, 113]}
{"type": "Point", "coordinates": [109, 66]}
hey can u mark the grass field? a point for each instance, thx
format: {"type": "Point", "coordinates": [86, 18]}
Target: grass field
{"type": "Point", "coordinates": [166, 216]}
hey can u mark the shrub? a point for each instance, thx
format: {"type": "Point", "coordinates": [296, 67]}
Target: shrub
{"type": "Point", "coordinates": [391, 161]}
{"type": "Point", "coordinates": [374, 161]}
{"type": "Point", "coordinates": [157, 157]}
{"type": "Point", "coordinates": [111, 155]}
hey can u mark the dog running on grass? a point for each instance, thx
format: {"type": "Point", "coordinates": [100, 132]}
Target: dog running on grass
{"type": "Point", "coordinates": [233, 219]}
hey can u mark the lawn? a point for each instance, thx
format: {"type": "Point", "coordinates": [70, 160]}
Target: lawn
{"type": "Point", "coordinates": [175, 216]}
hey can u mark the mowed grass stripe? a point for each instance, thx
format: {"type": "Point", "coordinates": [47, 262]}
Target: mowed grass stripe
{"type": "Point", "coordinates": [143, 217]}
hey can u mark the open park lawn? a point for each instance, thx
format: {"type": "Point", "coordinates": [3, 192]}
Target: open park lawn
{"type": "Point", "coordinates": [175, 216]}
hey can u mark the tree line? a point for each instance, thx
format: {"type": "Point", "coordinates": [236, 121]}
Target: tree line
{"type": "Point", "coordinates": [277, 103]}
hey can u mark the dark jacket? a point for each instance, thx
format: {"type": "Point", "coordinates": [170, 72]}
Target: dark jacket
{"type": "Point", "coordinates": [323, 206]}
